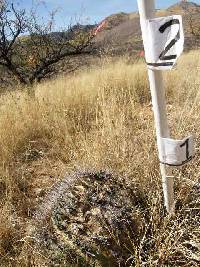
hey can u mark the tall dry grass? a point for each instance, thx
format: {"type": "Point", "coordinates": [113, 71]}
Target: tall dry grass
{"type": "Point", "coordinates": [100, 119]}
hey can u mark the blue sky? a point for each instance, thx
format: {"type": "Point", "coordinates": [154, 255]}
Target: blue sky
{"type": "Point", "coordinates": [88, 11]}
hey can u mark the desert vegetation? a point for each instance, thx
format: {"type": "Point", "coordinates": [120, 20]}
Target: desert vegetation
{"type": "Point", "coordinates": [91, 135]}
{"type": "Point", "coordinates": [30, 50]}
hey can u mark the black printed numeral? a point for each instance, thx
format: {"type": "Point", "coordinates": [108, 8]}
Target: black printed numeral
{"type": "Point", "coordinates": [173, 41]}
{"type": "Point", "coordinates": [163, 56]}
{"type": "Point", "coordinates": [186, 144]}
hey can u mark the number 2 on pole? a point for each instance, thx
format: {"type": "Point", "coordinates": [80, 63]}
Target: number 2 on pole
{"type": "Point", "coordinates": [173, 41]}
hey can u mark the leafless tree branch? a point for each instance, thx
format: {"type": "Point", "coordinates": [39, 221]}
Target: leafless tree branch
{"type": "Point", "coordinates": [30, 50]}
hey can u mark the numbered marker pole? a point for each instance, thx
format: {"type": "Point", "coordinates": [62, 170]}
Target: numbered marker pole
{"type": "Point", "coordinates": [147, 11]}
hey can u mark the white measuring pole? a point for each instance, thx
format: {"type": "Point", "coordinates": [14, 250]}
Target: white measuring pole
{"type": "Point", "coordinates": [147, 11]}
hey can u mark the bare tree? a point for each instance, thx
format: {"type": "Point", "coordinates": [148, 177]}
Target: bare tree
{"type": "Point", "coordinates": [30, 50]}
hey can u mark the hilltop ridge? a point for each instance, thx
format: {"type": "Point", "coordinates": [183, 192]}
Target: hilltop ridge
{"type": "Point", "coordinates": [122, 32]}
{"type": "Point", "coordinates": [184, 6]}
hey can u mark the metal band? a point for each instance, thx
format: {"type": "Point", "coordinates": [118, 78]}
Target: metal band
{"type": "Point", "coordinates": [163, 64]}
{"type": "Point", "coordinates": [177, 165]}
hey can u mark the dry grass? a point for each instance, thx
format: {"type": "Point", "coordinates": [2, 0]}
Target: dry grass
{"type": "Point", "coordinates": [102, 120]}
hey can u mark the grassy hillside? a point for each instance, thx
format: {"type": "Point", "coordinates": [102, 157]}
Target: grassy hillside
{"type": "Point", "coordinates": [98, 120]}
{"type": "Point", "coordinates": [120, 35]}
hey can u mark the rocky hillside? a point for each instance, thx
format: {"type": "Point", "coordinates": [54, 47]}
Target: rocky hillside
{"type": "Point", "coordinates": [121, 32]}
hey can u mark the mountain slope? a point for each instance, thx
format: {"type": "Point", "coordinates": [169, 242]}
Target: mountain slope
{"type": "Point", "coordinates": [122, 32]}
